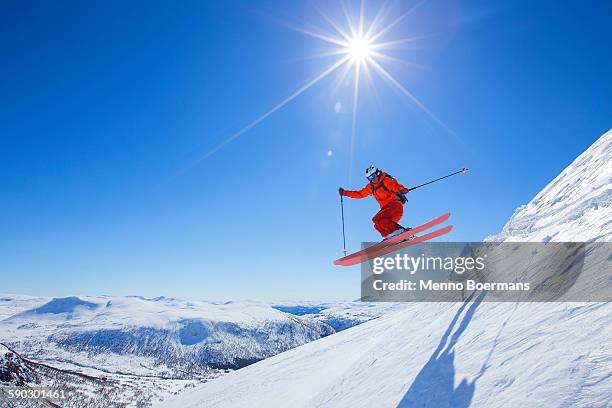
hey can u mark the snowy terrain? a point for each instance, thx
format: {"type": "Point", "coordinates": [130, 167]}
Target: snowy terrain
{"type": "Point", "coordinates": [458, 355]}
{"type": "Point", "coordinates": [436, 355]}
{"type": "Point", "coordinates": [137, 350]}
{"type": "Point", "coordinates": [575, 206]}
{"type": "Point", "coordinates": [141, 351]}
{"type": "Point", "coordinates": [162, 337]}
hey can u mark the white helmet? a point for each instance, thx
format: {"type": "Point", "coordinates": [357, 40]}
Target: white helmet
{"type": "Point", "coordinates": [371, 171]}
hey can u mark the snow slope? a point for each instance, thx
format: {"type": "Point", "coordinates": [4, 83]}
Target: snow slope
{"type": "Point", "coordinates": [575, 206]}
{"type": "Point", "coordinates": [458, 355]}
{"type": "Point", "coordinates": [436, 355]}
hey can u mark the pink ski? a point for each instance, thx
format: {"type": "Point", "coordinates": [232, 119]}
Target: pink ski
{"type": "Point", "coordinates": [394, 247]}
{"type": "Point", "coordinates": [370, 252]}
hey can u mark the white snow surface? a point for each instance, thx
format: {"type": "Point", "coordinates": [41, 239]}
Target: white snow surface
{"type": "Point", "coordinates": [458, 355]}
{"type": "Point", "coordinates": [575, 206]}
{"type": "Point", "coordinates": [436, 355]}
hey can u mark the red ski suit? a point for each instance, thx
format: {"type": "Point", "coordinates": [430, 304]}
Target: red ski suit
{"type": "Point", "coordinates": [386, 192]}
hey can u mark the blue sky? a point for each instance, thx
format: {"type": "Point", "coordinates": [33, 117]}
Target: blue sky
{"type": "Point", "coordinates": [108, 107]}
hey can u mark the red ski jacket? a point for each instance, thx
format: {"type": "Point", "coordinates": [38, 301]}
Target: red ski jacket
{"type": "Point", "coordinates": [385, 191]}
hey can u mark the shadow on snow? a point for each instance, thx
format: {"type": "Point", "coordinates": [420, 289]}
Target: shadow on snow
{"type": "Point", "coordinates": [434, 385]}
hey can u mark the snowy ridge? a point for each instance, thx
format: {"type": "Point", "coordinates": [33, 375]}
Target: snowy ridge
{"type": "Point", "coordinates": [575, 206]}
{"type": "Point", "coordinates": [459, 355]}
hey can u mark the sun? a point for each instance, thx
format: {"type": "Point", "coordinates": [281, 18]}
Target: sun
{"type": "Point", "coordinates": [359, 45]}
{"type": "Point", "coordinates": [359, 48]}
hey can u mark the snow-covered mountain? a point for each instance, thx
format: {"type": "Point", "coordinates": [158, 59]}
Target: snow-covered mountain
{"type": "Point", "coordinates": [476, 353]}
{"type": "Point", "coordinates": [575, 206]}
{"type": "Point", "coordinates": [163, 337]}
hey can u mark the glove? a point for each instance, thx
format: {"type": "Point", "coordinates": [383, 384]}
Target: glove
{"type": "Point", "coordinates": [341, 191]}
{"type": "Point", "coordinates": [404, 191]}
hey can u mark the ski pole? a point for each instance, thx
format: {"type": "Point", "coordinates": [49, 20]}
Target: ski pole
{"type": "Point", "coordinates": [343, 236]}
{"type": "Point", "coordinates": [464, 170]}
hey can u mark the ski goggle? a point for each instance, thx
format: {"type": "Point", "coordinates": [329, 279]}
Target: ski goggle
{"type": "Point", "coordinates": [371, 176]}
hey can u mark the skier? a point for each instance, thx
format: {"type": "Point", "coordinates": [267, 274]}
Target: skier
{"type": "Point", "coordinates": [390, 196]}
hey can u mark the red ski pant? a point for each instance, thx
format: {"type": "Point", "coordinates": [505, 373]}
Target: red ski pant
{"type": "Point", "coordinates": [385, 221]}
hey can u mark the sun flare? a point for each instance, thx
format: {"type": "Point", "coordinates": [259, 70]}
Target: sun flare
{"type": "Point", "coordinates": [361, 47]}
